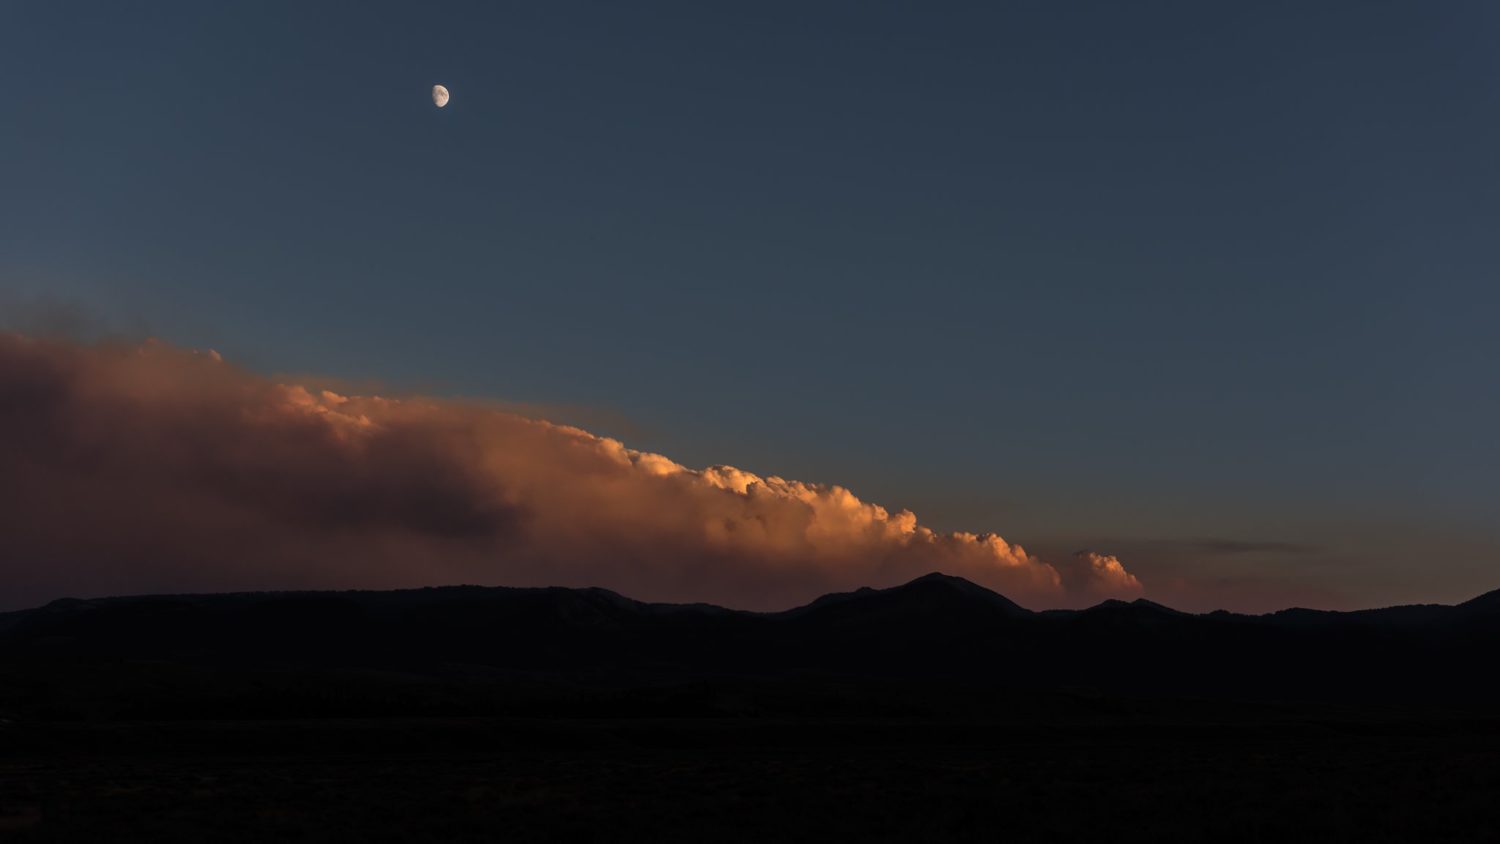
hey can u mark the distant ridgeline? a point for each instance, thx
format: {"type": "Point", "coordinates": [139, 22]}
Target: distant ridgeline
{"type": "Point", "coordinates": [936, 646]}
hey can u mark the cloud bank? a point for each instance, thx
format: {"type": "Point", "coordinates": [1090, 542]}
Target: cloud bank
{"type": "Point", "coordinates": [129, 469]}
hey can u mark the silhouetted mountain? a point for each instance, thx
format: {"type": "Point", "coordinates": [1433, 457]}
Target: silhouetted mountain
{"type": "Point", "coordinates": [934, 593]}
{"type": "Point", "coordinates": [934, 644]}
{"type": "Point", "coordinates": [1481, 612]}
{"type": "Point", "coordinates": [1489, 600]}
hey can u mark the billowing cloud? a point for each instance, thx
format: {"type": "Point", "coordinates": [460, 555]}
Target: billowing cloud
{"type": "Point", "coordinates": [1101, 575]}
{"type": "Point", "coordinates": [128, 469]}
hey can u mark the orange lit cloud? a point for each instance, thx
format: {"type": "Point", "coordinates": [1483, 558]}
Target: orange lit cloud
{"type": "Point", "coordinates": [1102, 576]}
{"type": "Point", "coordinates": [149, 468]}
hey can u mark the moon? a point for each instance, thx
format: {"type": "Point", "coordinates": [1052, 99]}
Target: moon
{"type": "Point", "coordinates": [439, 96]}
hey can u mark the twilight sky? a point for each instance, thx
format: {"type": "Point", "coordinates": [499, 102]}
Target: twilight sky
{"type": "Point", "coordinates": [1210, 288]}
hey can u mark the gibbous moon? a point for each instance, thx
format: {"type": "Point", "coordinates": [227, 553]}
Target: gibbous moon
{"type": "Point", "coordinates": [439, 96]}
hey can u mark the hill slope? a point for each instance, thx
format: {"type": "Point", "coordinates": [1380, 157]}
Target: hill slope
{"type": "Point", "coordinates": [935, 644]}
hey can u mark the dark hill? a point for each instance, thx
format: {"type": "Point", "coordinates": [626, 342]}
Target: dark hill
{"type": "Point", "coordinates": [933, 599]}
{"type": "Point", "coordinates": [937, 643]}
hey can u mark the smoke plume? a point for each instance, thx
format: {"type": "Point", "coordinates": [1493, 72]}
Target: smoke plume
{"type": "Point", "coordinates": [150, 468]}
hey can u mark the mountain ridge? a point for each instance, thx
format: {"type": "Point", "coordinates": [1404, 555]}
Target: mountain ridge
{"type": "Point", "coordinates": [1485, 601]}
{"type": "Point", "coordinates": [936, 644]}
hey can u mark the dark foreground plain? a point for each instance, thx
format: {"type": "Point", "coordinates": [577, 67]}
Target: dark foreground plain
{"type": "Point", "coordinates": [934, 711]}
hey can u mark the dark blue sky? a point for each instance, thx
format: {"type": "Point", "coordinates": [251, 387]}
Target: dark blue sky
{"type": "Point", "coordinates": [1211, 286]}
